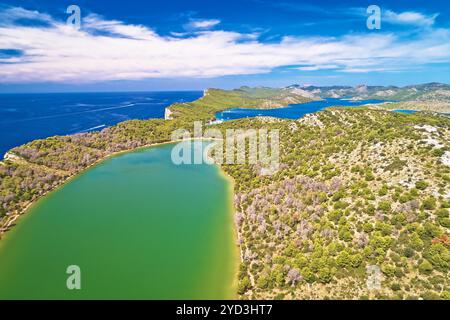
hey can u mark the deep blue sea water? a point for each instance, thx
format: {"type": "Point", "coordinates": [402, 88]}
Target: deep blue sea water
{"type": "Point", "coordinates": [25, 117]}
{"type": "Point", "coordinates": [293, 111]}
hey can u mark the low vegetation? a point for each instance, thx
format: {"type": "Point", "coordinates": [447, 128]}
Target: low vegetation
{"type": "Point", "coordinates": [362, 189]}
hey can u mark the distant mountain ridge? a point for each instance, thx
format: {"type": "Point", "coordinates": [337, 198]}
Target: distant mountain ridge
{"type": "Point", "coordinates": [422, 92]}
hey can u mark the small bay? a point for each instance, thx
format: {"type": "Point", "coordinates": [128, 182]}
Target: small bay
{"type": "Point", "coordinates": [294, 111]}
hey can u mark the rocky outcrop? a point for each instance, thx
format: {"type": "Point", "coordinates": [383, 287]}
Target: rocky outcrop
{"type": "Point", "coordinates": [168, 114]}
{"type": "Point", "coordinates": [12, 157]}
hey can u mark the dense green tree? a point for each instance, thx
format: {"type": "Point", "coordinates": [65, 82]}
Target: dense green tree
{"type": "Point", "coordinates": [343, 259]}
{"type": "Point", "coordinates": [429, 203]}
{"type": "Point", "coordinates": [308, 275]}
{"type": "Point", "coordinates": [439, 256]}
{"type": "Point", "coordinates": [325, 275]}
{"type": "Point", "coordinates": [388, 269]}
{"type": "Point", "coordinates": [244, 285]}
{"type": "Point", "coordinates": [384, 206]}
{"type": "Point", "coordinates": [356, 260]}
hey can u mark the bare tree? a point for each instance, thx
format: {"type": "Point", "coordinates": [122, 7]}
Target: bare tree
{"type": "Point", "coordinates": [293, 276]}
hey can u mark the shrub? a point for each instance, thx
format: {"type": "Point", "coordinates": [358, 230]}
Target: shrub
{"type": "Point", "coordinates": [244, 285]}
{"type": "Point", "coordinates": [384, 206]}
{"type": "Point", "coordinates": [439, 256]}
{"type": "Point", "coordinates": [429, 203]}
{"type": "Point", "coordinates": [395, 287]}
{"type": "Point", "coordinates": [343, 259]}
{"type": "Point", "coordinates": [356, 260]}
{"type": "Point", "coordinates": [425, 267]}
{"type": "Point", "coordinates": [388, 269]}
{"type": "Point", "coordinates": [445, 222]}
{"type": "Point", "coordinates": [325, 275]}
{"type": "Point", "coordinates": [408, 252]}
{"type": "Point", "coordinates": [429, 295]}
{"type": "Point", "coordinates": [421, 185]}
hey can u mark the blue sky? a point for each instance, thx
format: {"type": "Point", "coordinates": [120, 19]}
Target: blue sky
{"type": "Point", "coordinates": [190, 45]}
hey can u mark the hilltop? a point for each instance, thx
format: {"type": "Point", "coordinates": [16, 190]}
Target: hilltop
{"type": "Point", "coordinates": [427, 97]}
{"type": "Point", "coordinates": [357, 188]}
{"type": "Point", "coordinates": [216, 100]}
{"type": "Point", "coordinates": [420, 92]}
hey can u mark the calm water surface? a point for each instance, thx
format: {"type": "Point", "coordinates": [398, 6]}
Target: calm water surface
{"type": "Point", "coordinates": [138, 226]}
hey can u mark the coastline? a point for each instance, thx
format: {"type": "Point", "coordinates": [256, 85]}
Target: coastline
{"type": "Point", "coordinates": [237, 254]}
{"type": "Point", "coordinates": [9, 221]}
{"type": "Point", "coordinates": [213, 220]}
{"type": "Point", "coordinates": [14, 219]}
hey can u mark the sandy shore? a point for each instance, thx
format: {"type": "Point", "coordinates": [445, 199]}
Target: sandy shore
{"type": "Point", "coordinates": [235, 231]}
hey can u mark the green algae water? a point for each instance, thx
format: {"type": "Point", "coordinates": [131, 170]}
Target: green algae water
{"type": "Point", "coordinates": [138, 226]}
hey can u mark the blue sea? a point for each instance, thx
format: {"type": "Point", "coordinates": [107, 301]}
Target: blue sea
{"type": "Point", "coordinates": [25, 117]}
{"type": "Point", "coordinates": [405, 111]}
{"type": "Point", "coordinates": [293, 111]}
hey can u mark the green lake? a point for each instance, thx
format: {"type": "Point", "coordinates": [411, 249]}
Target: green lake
{"type": "Point", "coordinates": [138, 226]}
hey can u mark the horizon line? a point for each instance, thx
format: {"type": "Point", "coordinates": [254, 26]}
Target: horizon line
{"type": "Point", "coordinates": [222, 88]}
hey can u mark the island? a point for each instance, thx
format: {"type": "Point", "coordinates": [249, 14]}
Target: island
{"type": "Point", "coordinates": [358, 189]}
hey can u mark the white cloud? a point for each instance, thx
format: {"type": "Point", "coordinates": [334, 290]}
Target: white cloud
{"type": "Point", "coordinates": [318, 67]}
{"type": "Point", "coordinates": [202, 24]}
{"type": "Point", "coordinates": [95, 22]}
{"type": "Point", "coordinates": [366, 70]}
{"type": "Point", "coordinates": [112, 50]}
{"type": "Point", "coordinates": [410, 18]}
{"type": "Point", "coordinates": [12, 14]}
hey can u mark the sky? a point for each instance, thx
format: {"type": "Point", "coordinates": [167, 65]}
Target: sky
{"type": "Point", "coordinates": [192, 45]}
